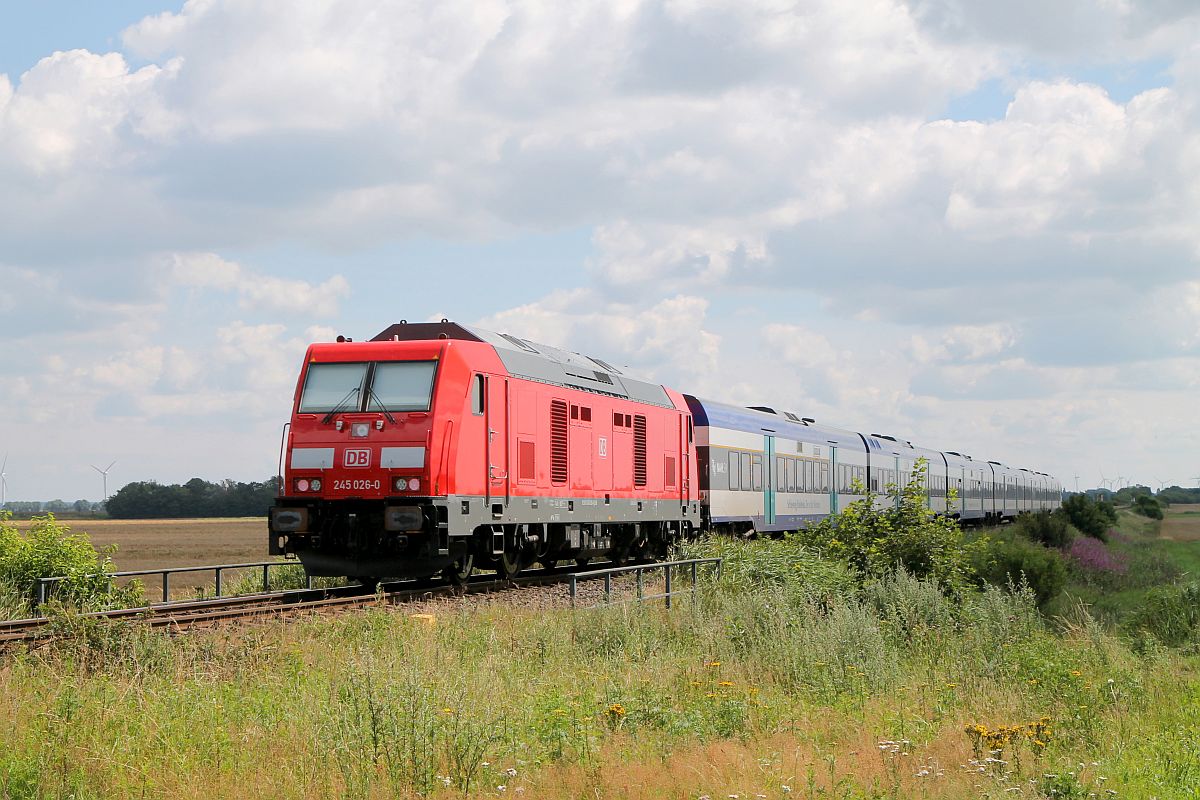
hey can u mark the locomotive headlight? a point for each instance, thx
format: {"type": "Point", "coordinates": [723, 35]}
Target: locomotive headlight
{"type": "Point", "coordinates": [359, 430]}
{"type": "Point", "coordinates": [402, 518]}
{"type": "Point", "coordinates": [289, 520]}
{"type": "Point", "coordinates": [302, 485]}
{"type": "Point", "coordinates": [414, 485]}
{"type": "Point", "coordinates": [316, 484]}
{"type": "Point", "coordinates": [400, 484]}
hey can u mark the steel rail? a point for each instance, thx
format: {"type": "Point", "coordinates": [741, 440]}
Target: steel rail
{"type": "Point", "coordinates": [183, 614]}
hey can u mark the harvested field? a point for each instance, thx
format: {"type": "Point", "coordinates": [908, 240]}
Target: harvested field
{"type": "Point", "coordinates": [1181, 523]}
{"type": "Point", "coordinates": [154, 543]}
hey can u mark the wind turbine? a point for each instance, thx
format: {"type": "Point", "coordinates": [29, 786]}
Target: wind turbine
{"type": "Point", "coordinates": [3, 482]}
{"type": "Point", "coordinates": [104, 472]}
{"type": "Point", "coordinates": [1076, 483]}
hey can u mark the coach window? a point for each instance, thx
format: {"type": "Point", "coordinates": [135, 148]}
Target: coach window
{"type": "Point", "coordinates": [745, 476]}
{"type": "Point", "coordinates": [735, 471]}
{"type": "Point", "coordinates": [757, 467]}
{"type": "Point", "coordinates": [477, 395]}
{"type": "Point", "coordinates": [780, 475]}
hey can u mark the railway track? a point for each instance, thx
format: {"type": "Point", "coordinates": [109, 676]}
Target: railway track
{"type": "Point", "coordinates": [186, 614]}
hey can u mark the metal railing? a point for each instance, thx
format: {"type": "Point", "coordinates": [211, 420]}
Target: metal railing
{"type": "Point", "coordinates": [45, 586]}
{"type": "Point", "coordinates": [692, 565]}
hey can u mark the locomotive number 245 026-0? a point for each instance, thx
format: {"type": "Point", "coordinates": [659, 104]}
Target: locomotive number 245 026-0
{"type": "Point", "coordinates": [355, 485]}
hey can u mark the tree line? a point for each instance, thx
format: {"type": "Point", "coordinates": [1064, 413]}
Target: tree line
{"type": "Point", "coordinates": [196, 498]}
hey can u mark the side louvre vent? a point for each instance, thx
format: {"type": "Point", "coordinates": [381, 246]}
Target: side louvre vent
{"type": "Point", "coordinates": [558, 442]}
{"type": "Point", "coordinates": [639, 450]}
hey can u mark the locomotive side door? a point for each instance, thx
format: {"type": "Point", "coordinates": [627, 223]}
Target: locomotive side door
{"type": "Point", "coordinates": [496, 444]}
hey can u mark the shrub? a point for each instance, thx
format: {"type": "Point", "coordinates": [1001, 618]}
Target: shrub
{"type": "Point", "coordinates": [788, 563]}
{"type": "Point", "coordinates": [1089, 517]}
{"type": "Point", "coordinates": [1147, 506]}
{"type": "Point", "coordinates": [1052, 529]}
{"type": "Point", "coordinates": [906, 534]}
{"type": "Point", "coordinates": [49, 549]}
{"type": "Point", "coordinates": [1012, 561]}
{"type": "Point", "coordinates": [1169, 613]}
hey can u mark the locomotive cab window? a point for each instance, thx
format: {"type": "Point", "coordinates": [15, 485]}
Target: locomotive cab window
{"type": "Point", "coordinates": [330, 386]}
{"type": "Point", "coordinates": [401, 386]}
{"type": "Point", "coordinates": [358, 386]}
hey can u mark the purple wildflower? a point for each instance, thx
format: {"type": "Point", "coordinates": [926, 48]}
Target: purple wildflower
{"type": "Point", "coordinates": [1092, 554]}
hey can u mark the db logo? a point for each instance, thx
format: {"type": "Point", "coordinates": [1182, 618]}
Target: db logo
{"type": "Point", "coordinates": [356, 458]}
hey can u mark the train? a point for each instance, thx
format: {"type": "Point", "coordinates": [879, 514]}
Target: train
{"type": "Point", "coordinates": [438, 448]}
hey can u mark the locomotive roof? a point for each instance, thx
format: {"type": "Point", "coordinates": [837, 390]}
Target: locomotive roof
{"type": "Point", "coordinates": [538, 362]}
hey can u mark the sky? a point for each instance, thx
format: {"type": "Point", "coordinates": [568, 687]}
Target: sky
{"type": "Point", "coordinates": [968, 224]}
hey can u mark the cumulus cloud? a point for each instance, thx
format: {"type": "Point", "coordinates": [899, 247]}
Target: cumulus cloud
{"type": "Point", "coordinates": [257, 291]}
{"type": "Point", "coordinates": [719, 155]}
{"type": "Point", "coordinates": [666, 341]}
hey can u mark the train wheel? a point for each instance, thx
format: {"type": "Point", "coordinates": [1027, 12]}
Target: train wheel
{"type": "Point", "coordinates": [508, 564]}
{"type": "Point", "coordinates": [368, 582]}
{"type": "Point", "coordinates": [460, 570]}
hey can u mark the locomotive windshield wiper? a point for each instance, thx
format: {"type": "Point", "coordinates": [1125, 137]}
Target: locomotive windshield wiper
{"type": "Point", "coordinates": [372, 396]}
{"type": "Point", "coordinates": [340, 407]}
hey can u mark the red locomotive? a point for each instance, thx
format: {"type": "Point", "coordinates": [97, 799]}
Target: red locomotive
{"type": "Point", "coordinates": [436, 447]}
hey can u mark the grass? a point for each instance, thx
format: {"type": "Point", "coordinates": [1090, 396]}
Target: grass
{"type": "Point", "coordinates": [785, 680]}
{"type": "Point", "coordinates": [750, 690]}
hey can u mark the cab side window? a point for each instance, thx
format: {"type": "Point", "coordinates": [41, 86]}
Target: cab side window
{"type": "Point", "coordinates": [477, 395]}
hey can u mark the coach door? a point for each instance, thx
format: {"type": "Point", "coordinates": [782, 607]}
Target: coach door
{"type": "Point", "coordinates": [495, 415]}
{"type": "Point", "coordinates": [769, 470]}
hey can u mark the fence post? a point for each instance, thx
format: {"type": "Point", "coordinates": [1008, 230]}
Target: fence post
{"type": "Point", "coordinates": [41, 592]}
{"type": "Point", "coordinates": [166, 586]}
{"type": "Point", "coordinates": [266, 578]}
{"type": "Point", "coordinates": [608, 587]}
{"type": "Point", "coordinates": [572, 589]}
{"type": "Point", "coordinates": [218, 571]}
{"type": "Point", "coordinates": [639, 584]}
{"type": "Point", "coordinates": [668, 598]}
{"type": "Point", "coordinates": [307, 580]}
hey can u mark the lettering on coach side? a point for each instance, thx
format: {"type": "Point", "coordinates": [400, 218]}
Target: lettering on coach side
{"type": "Point", "coordinates": [356, 458]}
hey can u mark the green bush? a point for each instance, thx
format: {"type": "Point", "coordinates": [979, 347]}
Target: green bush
{"type": "Point", "coordinates": [1147, 506]}
{"type": "Point", "coordinates": [1009, 560]}
{"type": "Point", "coordinates": [905, 534]}
{"type": "Point", "coordinates": [49, 549]}
{"type": "Point", "coordinates": [1169, 613]}
{"type": "Point", "coordinates": [1050, 528]}
{"type": "Point", "coordinates": [1090, 517]}
{"type": "Point", "coordinates": [787, 563]}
